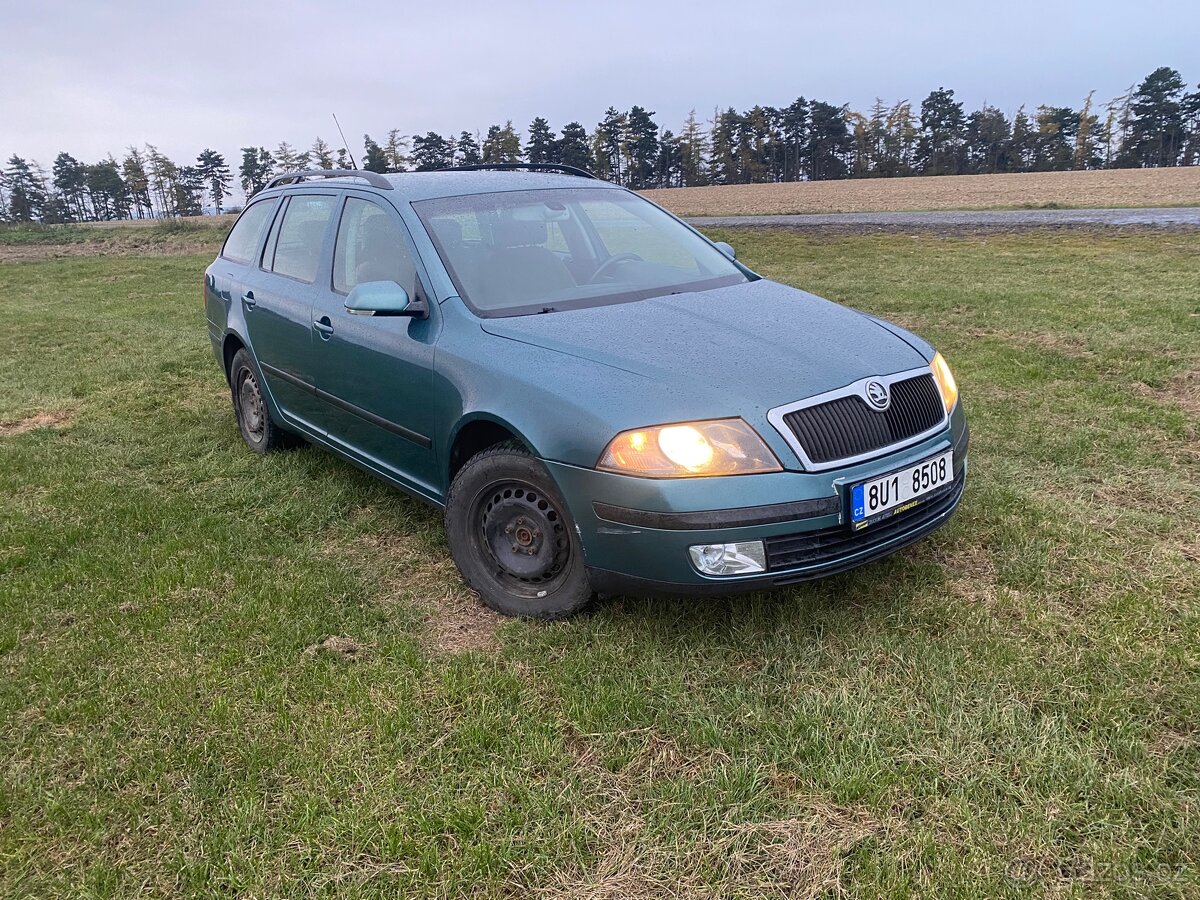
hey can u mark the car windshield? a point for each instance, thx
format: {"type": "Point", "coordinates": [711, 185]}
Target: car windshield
{"type": "Point", "coordinates": [523, 252]}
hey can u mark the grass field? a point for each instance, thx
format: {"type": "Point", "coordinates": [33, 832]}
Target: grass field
{"type": "Point", "coordinates": [1041, 190]}
{"type": "Point", "coordinates": [223, 674]}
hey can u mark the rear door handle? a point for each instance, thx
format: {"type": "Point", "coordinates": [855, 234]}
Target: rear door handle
{"type": "Point", "coordinates": [248, 299]}
{"type": "Point", "coordinates": [324, 326]}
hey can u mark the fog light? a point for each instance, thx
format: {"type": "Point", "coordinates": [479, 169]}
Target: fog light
{"type": "Point", "coordinates": [743, 558]}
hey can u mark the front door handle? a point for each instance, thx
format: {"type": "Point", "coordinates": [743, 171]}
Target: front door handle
{"type": "Point", "coordinates": [248, 299]}
{"type": "Point", "coordinates": [324, 326]}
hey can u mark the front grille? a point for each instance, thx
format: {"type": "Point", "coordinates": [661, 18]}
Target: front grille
{"type": "Point", "coordinates": [848, 427]}
{"type": "Point", "coordinates": [830, 546]}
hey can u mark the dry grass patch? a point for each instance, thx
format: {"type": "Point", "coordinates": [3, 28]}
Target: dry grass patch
{"type": "Point", "coordinates": [455, 620]}
{"type": "Point", "coordinates": [54, 419]}
{"type": "Point", "coordinates": [337, 645]}
{"type": "Point", "coordinates": [801, 855]}
{"type": "Point", "coordinates": [1116, 187]}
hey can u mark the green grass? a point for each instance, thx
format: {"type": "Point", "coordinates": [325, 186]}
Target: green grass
{"type": "Point", "coordinates": [1011, 707]}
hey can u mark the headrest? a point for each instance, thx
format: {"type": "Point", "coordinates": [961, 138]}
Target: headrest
{"type": "Point", "coordinates": [518, 232]}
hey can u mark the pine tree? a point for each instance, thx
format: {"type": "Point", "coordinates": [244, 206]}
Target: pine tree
{"type": "Point", "coordinates": [829, 141]}
{"type": "Point", "coordinates": [70, 180]}
{"type": "Point", "coordinates": [214, 174]}
{"type": "Point", "coordinates": [286, 159]}
{"type": "Point", "coordinates": [1085, 156]}
{"type": "Point", "coordinates": [607, 144]}
{"type": "Point", "coordinates": [1156, 133]}
{"type": "Point", "coordinates": [942, 138]}
{"type": "Point", "coordinates": [693, 153]}
{"type": "Point", "coordinates": [432, 151]}
{"type": "Point", "coordinates": [374, 157]}
{"type": "Point", "coordinates": [794, 123]}
{"type": "Point", "coordinates": [395, 151]}
{"type": "Point", "coordinates": [466, 150]}
{"type": "Point", "coordinates": [321, 155]}
{"type": "Point", "coordinates": [669, 167]}
{"type": "Point", "coordinates": [1190, 111]}
{"type": "Point", "coordinates": [255, 170]}
{"type": "Point", "coordinates": [137, 183]}
{"type": "Point", "coordinates": [573, 149]}
{"type": "Point", "coordinates": [502, 145]}
{"type": "Point", "coordinates": [863, 159]}
{"type": "Point", "coordinates": [108, 194]}
{"type": "Point", "coordinates": [988, 136]}
{"type": "Point", "coordinates": [188, 188]}
{"type": "Point", "coordinates": [26, 190]}
{"type": "Point", "coordinates": [722, 160]}
{"type": "Point", "coordinates": [641, 147]}
{"type": "Point", "coordinates": [541, 147]}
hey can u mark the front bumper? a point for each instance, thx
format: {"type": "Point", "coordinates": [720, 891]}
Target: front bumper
{"type": "Point", "coordinates": [636, 532]}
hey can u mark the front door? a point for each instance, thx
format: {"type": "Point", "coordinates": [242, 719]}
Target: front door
{"type": "Point", "coordinates": [374, 372]}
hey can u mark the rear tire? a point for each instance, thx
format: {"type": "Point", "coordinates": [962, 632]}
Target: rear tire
{"type": "Point", "coordinates": [260, 432]}
{"type": "Point", "coordinates": [512, 536]}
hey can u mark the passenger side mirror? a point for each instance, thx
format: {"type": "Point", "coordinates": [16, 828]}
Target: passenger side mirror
{"type": "Point", "coordinates": [727, 249]}
{"type": "Point", "coordinates": [385, 298]}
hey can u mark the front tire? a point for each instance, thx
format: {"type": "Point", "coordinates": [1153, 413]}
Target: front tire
{"type": "Point", "coordinates": [259, 430]}
{"type": "Point", "coordinates": [512, 537]}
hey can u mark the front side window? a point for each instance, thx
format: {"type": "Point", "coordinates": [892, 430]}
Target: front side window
{"type": "Point", "coordinates": [370, 247]}
{"type": "Point", "coordinates": [301, 237]}
{"type": "Point", "coordinates": [522, 252]}
{"type": "Point", "coordinates": [248, 231]}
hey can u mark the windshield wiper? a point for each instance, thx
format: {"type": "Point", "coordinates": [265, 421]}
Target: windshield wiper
{"type": "Point", "coordinates": [546, 309]}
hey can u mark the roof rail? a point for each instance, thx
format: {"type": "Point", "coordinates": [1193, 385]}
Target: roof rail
{"type": "Point", "coordinates": [529, 167]}
{"type": "Point", "coordinates": [373, 178]}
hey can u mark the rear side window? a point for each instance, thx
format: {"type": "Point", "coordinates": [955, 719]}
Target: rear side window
{"type": "Point", "coordinates": [301, 236]}
{"type": "Point", "coordinates": [370, 247]}
{"type": "Point", "coordinates": [248, 231]}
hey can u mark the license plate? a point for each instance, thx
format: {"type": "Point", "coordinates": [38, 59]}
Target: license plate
{"type": "Point", "coordinates": [881, 498]}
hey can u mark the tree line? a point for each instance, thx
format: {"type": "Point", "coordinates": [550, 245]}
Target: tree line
{"type": "Point", "coordinates": [1153, 124]}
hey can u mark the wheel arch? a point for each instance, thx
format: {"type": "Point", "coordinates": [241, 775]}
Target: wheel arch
{"type": "Point", "coordinates": [476, 432]}
{"type": "Point", "coordinates": [229, 348]}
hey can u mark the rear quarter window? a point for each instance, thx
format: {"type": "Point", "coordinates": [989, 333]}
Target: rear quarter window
{"type": "Point", "coordinates": [247, 232]}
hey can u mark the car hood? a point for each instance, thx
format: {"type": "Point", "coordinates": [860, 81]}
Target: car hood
{"type": "Point", "coordinates": [762, 341]}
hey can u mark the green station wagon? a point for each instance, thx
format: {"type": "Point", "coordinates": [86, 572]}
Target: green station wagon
{"type": "Point", "coordinates": [601, 399]}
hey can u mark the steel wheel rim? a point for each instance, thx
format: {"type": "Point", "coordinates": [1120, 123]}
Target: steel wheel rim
{"type": "Point", "coordinates": [522, 537]}
{"type": "Point", "coordinates": [250, 406]}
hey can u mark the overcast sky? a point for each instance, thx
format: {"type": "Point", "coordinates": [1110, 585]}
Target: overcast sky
{"type": "Point", "coordinates": [93, 77]}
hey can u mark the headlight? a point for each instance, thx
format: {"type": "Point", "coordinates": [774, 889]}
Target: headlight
{"type": "Point", "coordinates": [945, 381]}
{"type": "Point", "coordinates": [688, 450]}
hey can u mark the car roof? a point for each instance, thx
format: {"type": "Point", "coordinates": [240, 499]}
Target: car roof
{"type": "Point", "coordinates": [429, 185]}
{"type": "Point", "coordinates": [414, 186]}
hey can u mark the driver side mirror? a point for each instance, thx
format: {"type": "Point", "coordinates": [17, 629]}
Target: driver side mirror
{"type": "Point", "coordinates": [727, 249]}
{"type": "Point", "coordinates": [385, 298]}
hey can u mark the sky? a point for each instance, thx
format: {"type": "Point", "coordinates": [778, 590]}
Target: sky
{"type": "Point", "coordinates": [92, 78]}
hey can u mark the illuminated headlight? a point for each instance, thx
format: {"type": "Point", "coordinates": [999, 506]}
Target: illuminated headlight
{"type": "Point", "coordinates": [947, 386]}
{"type": "Point", "coordinates": [742, 558]}
{"type": "Point", "coordinates": [689, 450]}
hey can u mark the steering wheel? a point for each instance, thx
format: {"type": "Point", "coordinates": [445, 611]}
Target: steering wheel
{"type": "Point", "coordinates": [612, 261]}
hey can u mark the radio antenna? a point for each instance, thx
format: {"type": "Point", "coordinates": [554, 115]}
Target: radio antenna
{"type": "Point", "coordinates": [345, 145]}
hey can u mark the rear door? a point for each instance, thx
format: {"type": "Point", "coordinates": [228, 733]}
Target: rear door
{"type": "Point", "coordinates": [226, 277]}
{"type": "Point", "coordinates": [374, 372]}
{"type": "Point", "coordinates": [278, 301]}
